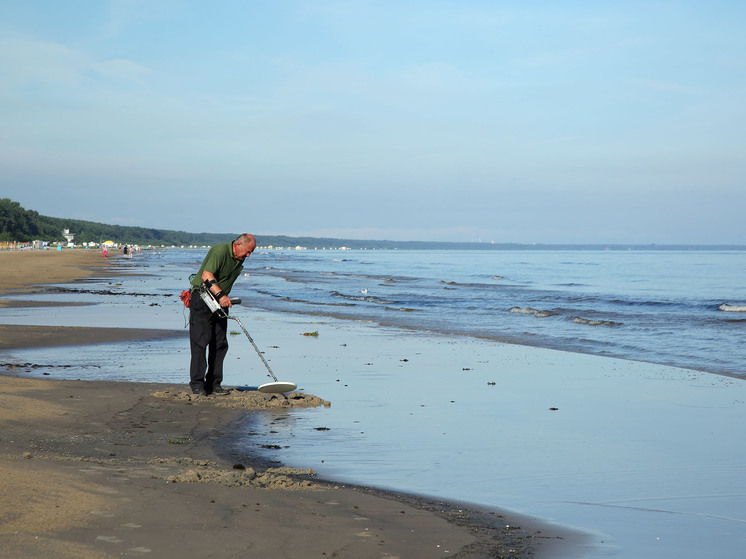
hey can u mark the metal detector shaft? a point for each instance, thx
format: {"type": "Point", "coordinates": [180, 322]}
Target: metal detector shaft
{"type": "Point", "coordinates": [256, 348]}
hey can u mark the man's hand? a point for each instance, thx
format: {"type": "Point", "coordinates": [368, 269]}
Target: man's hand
{"type": "Point", "coordinates": [222, 299]}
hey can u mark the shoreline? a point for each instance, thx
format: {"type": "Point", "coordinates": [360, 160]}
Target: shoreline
{"type": "Point", "coordinates": [461, 530]}
{"type": "Point", "coordinates": [100, 467]}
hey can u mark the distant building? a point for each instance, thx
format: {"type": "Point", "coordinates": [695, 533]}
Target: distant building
{"type": "Point", "coordinates": [69, 236]}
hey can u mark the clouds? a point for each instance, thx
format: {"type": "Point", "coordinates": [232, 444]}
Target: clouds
{"type": "Point", "coordinates": [122, 70]}
{"type": "Point", "coordinates": [379, 116]}
{"type": "Point", "coordinates": [28, 62]}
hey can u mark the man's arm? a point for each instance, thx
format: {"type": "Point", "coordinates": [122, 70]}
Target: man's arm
{"type": "Point", "coordinates": [224, 300]}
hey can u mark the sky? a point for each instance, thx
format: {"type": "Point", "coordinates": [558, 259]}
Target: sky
{"type": "Point", "coordinates": [443, 120]}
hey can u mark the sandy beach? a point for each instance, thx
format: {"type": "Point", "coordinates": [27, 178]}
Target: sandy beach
{"type": "Point", "coordinates": [105, 469]}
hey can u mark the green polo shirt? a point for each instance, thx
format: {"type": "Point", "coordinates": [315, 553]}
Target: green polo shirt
{"type": "Point", "coordinates": [222, 264]}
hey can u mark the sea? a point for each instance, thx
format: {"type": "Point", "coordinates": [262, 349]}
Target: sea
{"type": "Point", "coordinates": [600, 390]}
{"type": "Point", "coordinates": [686, 309]}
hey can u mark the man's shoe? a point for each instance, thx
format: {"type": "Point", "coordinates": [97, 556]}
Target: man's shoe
{"type": "Point", "coordinates": [220, 391]}
{"type": "Point", "coordinates": [199, 391]}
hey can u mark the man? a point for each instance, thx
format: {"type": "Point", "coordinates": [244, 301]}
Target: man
{"type": "Point", "coordinates": [208, 332]}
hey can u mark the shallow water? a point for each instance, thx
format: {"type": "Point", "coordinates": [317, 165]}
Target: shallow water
{"type": "Point", "coordinates": [647, 458]}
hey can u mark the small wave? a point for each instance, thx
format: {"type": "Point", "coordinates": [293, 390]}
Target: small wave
{"type": "Point", "coordinates": [458, 284]}
{"type": "Point", "coordinates": [528, 310]}
{"type": "Point", "coordinates": [304, 302]}
{"type": "Point", "coordinates": [454, 284]}
{"type": "Point", "coordinates": [589, 322]}
{"type": "Point", "coordinates": [381, 278]}
{"type": "Point", "coordinates": [363, 298]}
{"type": "Point", "coordinates": [278, 271]}
{"type": "Point", "coordinates": [286, 299]}
{"type": "Point", "coordinates": [732, 308]}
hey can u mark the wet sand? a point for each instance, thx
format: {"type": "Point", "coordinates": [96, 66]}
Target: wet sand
{"type": "Point", "coordinates": [29, 270]}
{"type": "Point", "coordinates": [104, 469]}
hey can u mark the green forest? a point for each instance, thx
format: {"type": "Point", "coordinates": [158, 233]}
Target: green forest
{"type": "Point", "coordinates": [22, 225]}
{"type": "Point", "coordinates": [18, 224]}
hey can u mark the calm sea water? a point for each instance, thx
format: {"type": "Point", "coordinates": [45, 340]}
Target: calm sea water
{"type": "Point", "coordinates": [646, 458]}
{"type": "Point", "coordinates": [660, 307]}
{"type": "Point", "coordinates": [643, 458]}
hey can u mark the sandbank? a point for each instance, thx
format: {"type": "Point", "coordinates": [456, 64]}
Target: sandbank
{"type": "Point", "coordinates": [26, 271]}
{"type": "Point", "coordinates": [97, 469]}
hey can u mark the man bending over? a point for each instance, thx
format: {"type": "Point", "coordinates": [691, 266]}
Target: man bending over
{"type": "Point", "coordinates": [207, 331]}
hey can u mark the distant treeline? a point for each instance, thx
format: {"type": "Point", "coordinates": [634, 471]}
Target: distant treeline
{"type": "Point", "coordinates": [21, 225]}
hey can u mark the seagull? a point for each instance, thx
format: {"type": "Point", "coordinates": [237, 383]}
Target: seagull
{"type": "Point", "coordinates": [364, 291]}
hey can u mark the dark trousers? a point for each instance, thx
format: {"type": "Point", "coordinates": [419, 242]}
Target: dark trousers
{"type": "Point", "coordinates": [208, 343]}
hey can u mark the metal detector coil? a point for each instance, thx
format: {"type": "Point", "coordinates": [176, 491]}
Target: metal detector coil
{"type": "Point", "coordinates": [276, 387]}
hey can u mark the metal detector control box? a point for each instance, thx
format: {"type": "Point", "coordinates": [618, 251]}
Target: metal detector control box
{"type": "Point", "coordinates": [211, 302]}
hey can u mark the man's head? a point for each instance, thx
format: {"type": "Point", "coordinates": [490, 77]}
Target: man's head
{"type": "Point", "coordinates": [243, 246]}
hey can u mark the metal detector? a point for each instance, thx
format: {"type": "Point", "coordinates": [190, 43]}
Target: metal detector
{"type": "Point", "coordinates": [274, 387]}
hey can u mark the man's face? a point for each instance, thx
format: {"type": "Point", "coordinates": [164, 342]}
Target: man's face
{"type": "Point", "coordinates": [245, 250]}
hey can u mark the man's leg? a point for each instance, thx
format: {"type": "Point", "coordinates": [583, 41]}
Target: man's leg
{"type": "Point", "coordinates": [199, 337]}
{"type": "Point", "coordinates": [217, 353]}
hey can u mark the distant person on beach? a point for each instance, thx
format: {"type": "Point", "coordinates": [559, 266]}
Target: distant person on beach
{"type": "Point", "coordinates": [208, 332]}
